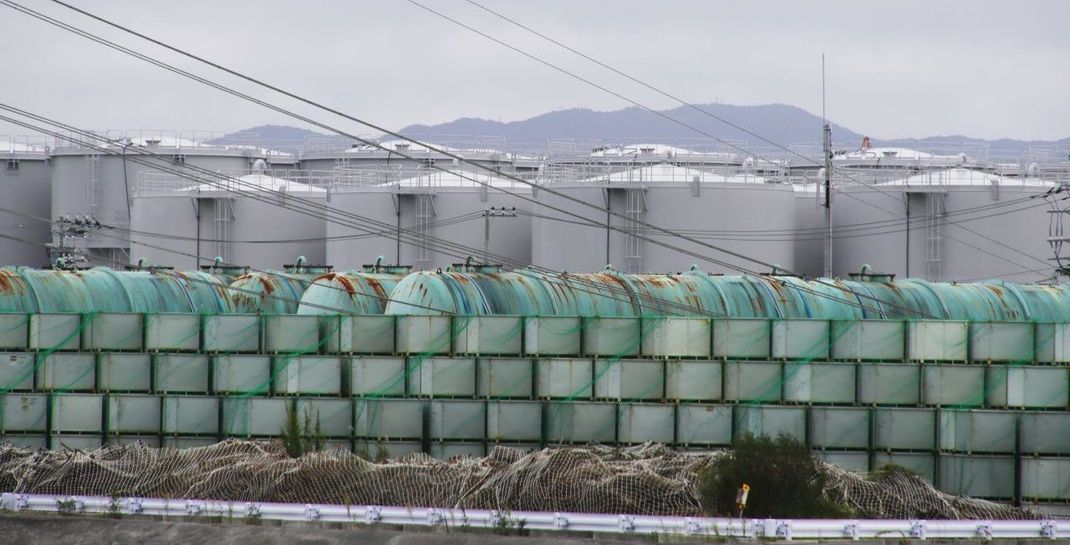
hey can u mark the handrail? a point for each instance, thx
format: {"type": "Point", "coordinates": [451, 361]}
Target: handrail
{"type": "Point", "coordinates": [782, 529]}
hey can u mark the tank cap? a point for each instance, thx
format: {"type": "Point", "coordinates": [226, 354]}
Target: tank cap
{"type": "Point", "coordinates": [380, 266]}
{"type": "Point", "coordinates": [865, 274]}
{"type": "Point", "coordinates": [471, 265]}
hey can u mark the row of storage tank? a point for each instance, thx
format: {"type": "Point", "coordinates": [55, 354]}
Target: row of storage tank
{"type": "Point", "coordinates": [982, 453]}
{"type": "Point", "coordinates": [471, 290]}
{"type": "Point", "coordinates": [207, 291]}
{"type": "Point", "coordinates": [905, 223]}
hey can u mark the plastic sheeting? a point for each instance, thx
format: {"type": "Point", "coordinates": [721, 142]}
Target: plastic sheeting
{"type": "Point", "coordinates": [475, 291]}
{"type": "Point", "coordinates": [349, 292]}
{"type": "Point", "coordinates": [105, 290]}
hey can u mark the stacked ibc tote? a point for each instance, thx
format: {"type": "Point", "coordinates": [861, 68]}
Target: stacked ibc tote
{"type": "Point", "coordinates": [967, 384]}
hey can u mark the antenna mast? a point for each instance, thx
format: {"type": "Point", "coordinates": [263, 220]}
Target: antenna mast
{"type": "Point", "coordinates": [827, 147]}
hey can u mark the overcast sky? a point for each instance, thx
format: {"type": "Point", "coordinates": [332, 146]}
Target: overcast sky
{"type": "Point", "coordinates": [904, 68]}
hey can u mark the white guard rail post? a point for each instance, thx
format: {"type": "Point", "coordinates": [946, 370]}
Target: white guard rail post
{"type": "Point", "coordinates": [780, 529]}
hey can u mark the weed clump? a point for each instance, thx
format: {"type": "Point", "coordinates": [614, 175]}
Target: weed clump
{"type": "Point", "coordinates": [784, 478]}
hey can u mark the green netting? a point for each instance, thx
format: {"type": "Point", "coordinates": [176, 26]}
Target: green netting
{"type": "Point", "coordinates": [782, 363]}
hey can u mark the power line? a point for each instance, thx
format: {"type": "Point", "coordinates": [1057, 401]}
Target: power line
{"type": "Point", "coordinates": [25, 10]}
{"type": "Point", "coordinates": [662, 114]}
{"type": "Point", "coordinates": [897, 227]}
{"type": "Point", "coordinates": [238, 94]}
{"type": "Point", "coordinates": [859, 296]}
{"type": "Point", "coordinates": [443, 151]}
{"type": "Point", "coordinates": [446, 222]}
{"type": "Point", "coordinates": [634, 80]}
{"type": "Point", "coordinates": [569, 283]}
{"type": "Point", "coordinates": [187, 278]}
{"type": "Point", "coordinates": [867, 228]}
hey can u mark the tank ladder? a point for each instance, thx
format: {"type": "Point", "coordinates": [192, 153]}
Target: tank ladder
{"type": "Point", "coordinates": [934, 235]}
{"type": "Point", "coordinates": [223, 215]}
{"type": "Point", "coordinates": [425, 210]}
{"type": "Point", "coordinates": [91, 174]}
{"type": "Point", "coordinates": [633, 243]}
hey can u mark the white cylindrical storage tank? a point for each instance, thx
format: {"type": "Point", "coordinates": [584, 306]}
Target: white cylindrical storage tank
{"type": "Point", "coordinates": [428, 208]}
{"type": "Point", "coordinates": [731, 212]}
{"type": "Point", "coordinates": [25, 172]}
{"type": "Point", "coordinates": [90, 182]}
{"type": "Point", "coordinates": [248, 221]}
{"type": "Point", "coordinates": [947, 225]}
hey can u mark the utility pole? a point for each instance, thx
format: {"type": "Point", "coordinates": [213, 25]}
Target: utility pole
{"type": "Point", "coordinates": [66, 228]}
{"type": "Point", "coordinates": [828, 201]}
{"type": "Point", "coordinates": [827, 148]}
{"type": "Point", "coordinates": [493, 212]}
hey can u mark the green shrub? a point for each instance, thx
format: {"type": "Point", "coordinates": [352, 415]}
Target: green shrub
{"type": "Point", "coordinates": [301, 436]}
{"type": "Point", "coordinates": [784, 478]}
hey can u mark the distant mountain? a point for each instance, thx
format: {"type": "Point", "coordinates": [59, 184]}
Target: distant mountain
{"type": "Point", "coordinates": [282, 138]}
{"type": "Point", "coordinates": [780, 123]}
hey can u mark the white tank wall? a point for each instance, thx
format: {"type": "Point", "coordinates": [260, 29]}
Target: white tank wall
{"type": "Point", "coordinates": [250, 220]}
{"type": "Point", "coordinates": [563, 245]}
{"type": "Point", "coordinates": [809, 244]}
{"type": "Point", "coordinates": [510, 237]}
{"type": "Point", "coordinates": [570, 245]}
{"type": "Point", "coordinates": [1024, 231]}
{"type": "Point", "coordinates": [28, 190]}
{"type": "Point", "coordinates": [171, 215]}
{"type": "Point", "coordinates": [116, 184]}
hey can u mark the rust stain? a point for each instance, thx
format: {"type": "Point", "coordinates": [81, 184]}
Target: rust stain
{"type": "Point", "coordinates": [7, 286]}
{"type": "Point", "coordinates": [346, 283]}
{"type": "Point", "coordinates": [761, 304]}
{"type": "Point", "coordinates": [268, 288]}
{"type": "Point", "coordinates": [778, 287]}
{"type": "Point", "coordinates": [376, 286]}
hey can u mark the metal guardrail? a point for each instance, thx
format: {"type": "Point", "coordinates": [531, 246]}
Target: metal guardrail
{"type": "Point", "coordinates": [157, 181]}
{"type": "Point", "coordinates": [24, 144]}
{"type": "Point", "coordinates": [782, 529]}
{"type": "Point", "coordinates": [166, 138]}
